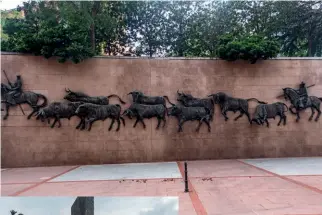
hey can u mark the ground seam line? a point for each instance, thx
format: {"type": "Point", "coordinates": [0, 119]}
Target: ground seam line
{"type": "Point", "coordinates": [197, 204]}
{"type": "Point", "coordinates": [138, 179]}
{"type": "Point", "coordinates": [284, 178]}
{"type": "Point", "coordinates": [42, 182]}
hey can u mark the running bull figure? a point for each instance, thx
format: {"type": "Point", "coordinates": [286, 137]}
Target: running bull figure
{"type": "Point", "coordinates": [189, 101]}
{"type": "Point", "coordinates": [141, 111]}
{"type": "Point", "coordinates": [139, 97]}
{"type": "Point", "coordinates": [60, 110]}
{"type": "Point", "coordinates": [266, 111]}
{"type": "Point", "coordinates": [228, 103]}
{"type": "Point", "coordinates": [184, 114]}
{"type": "Point", "coordinates": [82, 97]}
{"type": "Point", "coordinates": [95, 112]}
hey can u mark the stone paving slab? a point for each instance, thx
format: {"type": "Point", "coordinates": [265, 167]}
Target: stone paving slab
{"type": "Point", "coordinates": [256, 194]}
{"type": "Point", "coordinates": [9, 189]}
{"type": "Point", "coordinates": [313, 181]}
{"type": "Point", "coordinates": [122, 171]}
{"type": "Point", "coordinates": [289, 166]}
{"type": "Point", "coordinates": [222, 168]}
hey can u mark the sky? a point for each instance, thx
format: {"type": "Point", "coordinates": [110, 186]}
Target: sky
{"type": "Point", "coordinates": [9, 4]}
{"type": "Point", "coordinates": [102, 205]}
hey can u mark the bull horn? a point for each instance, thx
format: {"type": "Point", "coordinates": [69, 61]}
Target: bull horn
{"type": "Point", "coordinates": [130, 93]}
{"type": "Point", "coordinates": [178, 92]}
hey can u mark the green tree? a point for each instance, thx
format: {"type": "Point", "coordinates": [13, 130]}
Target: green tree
{"type": "Point", "coordinates": [300, 27]}
{"type": "Point", "coordinates": [146, 25]}
{"type": "Point", "coordinates": [251, 48]}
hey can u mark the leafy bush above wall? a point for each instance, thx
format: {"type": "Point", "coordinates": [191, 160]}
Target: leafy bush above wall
{"type": "Point", "coordinates": [248, 47]}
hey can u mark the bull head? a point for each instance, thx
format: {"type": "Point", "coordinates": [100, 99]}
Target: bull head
{"type": "Point", "coordinates": [68, 90]}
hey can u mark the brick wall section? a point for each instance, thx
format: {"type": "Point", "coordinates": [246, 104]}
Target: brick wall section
{"type": "Point", "coordinates": [27, 143]}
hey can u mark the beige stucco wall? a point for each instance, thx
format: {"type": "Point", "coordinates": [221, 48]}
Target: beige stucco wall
{"type": "Point", "coordinates": [33, 143]}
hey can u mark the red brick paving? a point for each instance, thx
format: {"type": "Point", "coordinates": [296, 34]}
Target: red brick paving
{"type": "Point", "coordinates": [313, 181]}
{"type": "Point", "coordinates": [226, 187]}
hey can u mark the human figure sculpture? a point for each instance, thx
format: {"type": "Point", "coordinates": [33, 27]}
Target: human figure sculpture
{"type": "Point", "coordinates": [15, 91]}
{"type": "Point", "coordinates": [302, 102]}
{"type": "Point", "coordinates": [13, 95]}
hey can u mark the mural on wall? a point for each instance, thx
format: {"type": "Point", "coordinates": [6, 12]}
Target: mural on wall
{"type": "Point", "coordinates": [228, 103]}
{"type": "Point", "coordinates": [300, 100]}
{"type": "Point", "coordinates": [13, 95]}
{"type": "Point", "coordinates": [96, 108]}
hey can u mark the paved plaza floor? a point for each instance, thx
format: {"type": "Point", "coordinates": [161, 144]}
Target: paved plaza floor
{"type": "Point", "coordinates": [277, 186]}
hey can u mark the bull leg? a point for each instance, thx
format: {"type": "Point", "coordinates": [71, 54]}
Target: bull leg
{"type": "Point", "coordinates": [199, 125]}
{"type": "Point", "coordinates": [319, 113]}
{"type": "Point", "coordinates": [111, 125]}
{"type": "Point", "coordinates": [118, 124]}
{"type": "Point", "coordinates": [90, 123]}
{"type": "Point", "coordinates": [80, 123]}
{"type": "Point", "coordinates": [54, 123]}
{"type": "Point", "coordinates": [58, 120]}
{"type": "Point", "coordinates": [159, 122]}
{"type": "Point", "coordinates": [136, 122]}
{"type": "Point", "coordinates": [240, 115]}
{"type": "Point", "coordinates": [281, 117]}
{"type": "Point", "coordinates": [225, 115]}
{"type": "Point", "coordinates": [180, 125]}
{"type": "Point", "coordinates": [164, 121]}
{"type": "Point", "coordinates": [224, 111]}
{"type": "Point", "coordinates": [248, 116]}
{"type": "Point", "coordinates": [208, 124]}
{"type": "Point", "coordinates": [34, 110]}
{"type": "Point", "coordinates": [122, 120]}
{"type": "Point", "coordinates": [267, 123]}
{"type": "Point", "coordinates": [297, 116]}
{"type": "Point", "coordinates": [7, 111]}
{"type": "Point", "coordinates": [141, 120]}
{"type": "Point", "coordinates": [311, 117]}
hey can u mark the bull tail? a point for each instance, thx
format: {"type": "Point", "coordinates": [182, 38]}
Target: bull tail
{"type": "Point", "coordinates": [167, 98]}
{"type": "Point", "coordinates": [285, 106]}
{"type": "Point", "coordinates": [114, 95]}
{"type": "Point", "coordinates": [320, 98]}
{"type": "Point", "coordinates": [44, 104]}
{"type": "Point", "coordinates": [261, 102]}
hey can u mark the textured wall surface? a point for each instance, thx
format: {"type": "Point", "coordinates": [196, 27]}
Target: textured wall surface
{"type": "Point", "coordinates": [33, 143]}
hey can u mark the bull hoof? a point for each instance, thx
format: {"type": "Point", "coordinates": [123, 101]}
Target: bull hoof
{"type": "Point", "coordinates": [297, 120]}
{"type": "Point", "coordinates": [5, 117]}
{"type": "Point", "coordinates": [316, 119]}
{"type": "Point", "coordinates": [310, 119]}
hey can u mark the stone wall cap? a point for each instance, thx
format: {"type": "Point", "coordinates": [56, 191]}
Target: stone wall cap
{"type": "Point", "coordinates": [175, 58]}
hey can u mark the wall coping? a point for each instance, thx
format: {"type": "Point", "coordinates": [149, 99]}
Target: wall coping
{"type": "Point", "coordinates": [175, 58]}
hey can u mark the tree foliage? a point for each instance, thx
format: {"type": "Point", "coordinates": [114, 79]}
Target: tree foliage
{"type": "Point", "coordinates": [250, 47]}
{"type": "Point", "coordinates": [77, 30]}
